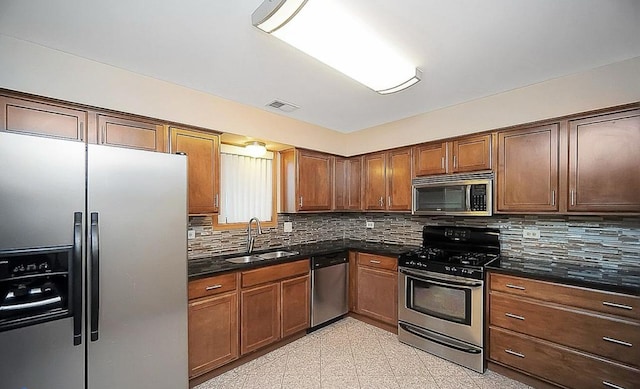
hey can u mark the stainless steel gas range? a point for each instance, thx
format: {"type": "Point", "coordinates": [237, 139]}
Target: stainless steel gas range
{"type": "Point", "coordinates": [441, 293]}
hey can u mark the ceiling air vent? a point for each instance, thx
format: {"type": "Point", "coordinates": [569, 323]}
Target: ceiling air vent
{"type": "Point", "coordinates": [283, 106]}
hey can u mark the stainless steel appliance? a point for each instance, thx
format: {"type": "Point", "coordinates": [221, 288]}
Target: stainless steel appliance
{"type": "Point", "coordinates": [93, 267]}
{"type": "Point", "coordinates": [329, 287]}
{"type": "Point", "coordinates": [462, 194]}
{"type": "Point", "coordinates": [441, 295]}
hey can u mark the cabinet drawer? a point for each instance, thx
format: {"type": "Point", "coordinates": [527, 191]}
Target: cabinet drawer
{"type": "Point", "coordinates": [212, 285]}
{"type": "Point", "coordinates": [377, 261]}
{"type": "Point", "coordinates": [614, 338]}
{"type": "Point", "coordinates": [596, 300]}
{"type": "Point", "coordinates": [559, 364]}
{"type": "Point", "coordinates": [274, 273]}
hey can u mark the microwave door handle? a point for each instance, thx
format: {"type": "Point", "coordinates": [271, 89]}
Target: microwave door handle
{"type": "Point", "coordinates": [468, 198]}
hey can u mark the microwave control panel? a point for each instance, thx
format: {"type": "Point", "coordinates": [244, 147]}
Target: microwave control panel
{"type": "Point", "coordinates": [478, 198]}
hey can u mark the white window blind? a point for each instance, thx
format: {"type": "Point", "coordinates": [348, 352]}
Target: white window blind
{"type": "Point", "coordinates": [246, 186]}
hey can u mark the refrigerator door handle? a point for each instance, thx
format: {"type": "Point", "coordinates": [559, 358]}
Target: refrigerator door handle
{"type": "Point", "coordinates": [77, 278]}
{"type": "Point", "coordinates": [95, 275]}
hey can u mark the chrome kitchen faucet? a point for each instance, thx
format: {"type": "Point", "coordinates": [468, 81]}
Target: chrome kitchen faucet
{"type": "Point", "coordinates": [250, 238]}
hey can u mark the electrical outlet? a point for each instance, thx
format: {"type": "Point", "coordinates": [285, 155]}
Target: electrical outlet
{"type": "Point", "coordinates": [288, 226]}
{"type": "Point", "coordinates": [531, 233]}
{"type": "Point", "coordinates": [191, 234]}
{"type": "Point", "coordinates": [369, 224]}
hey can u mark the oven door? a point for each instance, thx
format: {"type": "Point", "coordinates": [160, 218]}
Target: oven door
{"type": "Point", "coordinates": [441, 303]}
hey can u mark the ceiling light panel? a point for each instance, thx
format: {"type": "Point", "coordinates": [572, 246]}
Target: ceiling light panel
{"type": "Point", "coordinates": [325, 30]}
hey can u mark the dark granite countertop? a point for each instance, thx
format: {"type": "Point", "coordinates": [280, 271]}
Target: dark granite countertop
{"type": "Point", "coordinates": [614, 278]}
{"type": "Point", "coordinates": [203, 267]}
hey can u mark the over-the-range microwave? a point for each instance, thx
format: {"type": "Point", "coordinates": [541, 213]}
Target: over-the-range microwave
{"type": "Point", "coordinates": [459, 198]}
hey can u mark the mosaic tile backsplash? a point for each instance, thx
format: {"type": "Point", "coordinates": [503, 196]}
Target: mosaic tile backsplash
{"type": "Point", "coordinates": [577, 239]}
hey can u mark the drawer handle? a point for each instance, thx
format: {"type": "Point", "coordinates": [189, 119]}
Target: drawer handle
{"type": "Point", "coordinates": [616, 341]}
{"type": "Point", "coordinates": [514, 353]}
{"type": "Point", "coordinates": [610, 385]}
{"type": "Point", "coordinates": [614, 305]}
{"type": "Point", "coordinates": [515, 287]}
{"type": "Point", "coordinates": [511, 315]}
{"type": "Point", "coordinates": [373, 261]}
{"type": "Point", "coordinates": [212, 287]}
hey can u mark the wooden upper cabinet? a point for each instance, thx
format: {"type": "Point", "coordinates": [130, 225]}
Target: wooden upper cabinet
{"type": "Point", "coordinates": [203, 161]}
{"type": "Point", "coordinates": [375, 188]}
{"type": "Point", "coordinates": [42, 119]}
{"type": "Point", "coordinates": [430, 159]}
{"type": "Point", "coordinates": [387, 180]}
{"type": "Point", "coordinates": [471, 154]}
{"type": "Point", "coordinates": [467, 154]}
{"type": "Point", "coordinates": [527, 177]}
{"type": "Point", "coordinates": [132, 133]}
{"type": "Point", "coordinates": [348, 183]}
{"type": "Point", "coordinates": [399, 180]}
{"type": "Point", "coordinates": [306, 180]}
{"type": "Point", "coordinates": [604, 163]}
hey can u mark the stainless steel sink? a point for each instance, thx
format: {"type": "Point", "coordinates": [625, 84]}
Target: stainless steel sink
{"type": "Point", "coordinates": [277, 254]}
{"type": "Point", "coordinates": [245, 259]}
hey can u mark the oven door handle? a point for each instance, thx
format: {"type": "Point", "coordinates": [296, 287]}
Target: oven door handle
{"type": "Point", "coordinates": [423, 334]}
{"type": "Point", "coordinates": [440, 281]}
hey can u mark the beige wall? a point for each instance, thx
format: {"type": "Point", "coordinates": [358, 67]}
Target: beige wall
{"type": "Point", "coordinates": [35, 69]}
{"type": "Point", "coordinates": [31, 68]}
{"type": "Point", "coordinates": [607, 86]}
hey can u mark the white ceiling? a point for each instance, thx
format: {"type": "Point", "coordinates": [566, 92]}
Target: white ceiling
{"type": "Point", "coordinates": [467, 49]}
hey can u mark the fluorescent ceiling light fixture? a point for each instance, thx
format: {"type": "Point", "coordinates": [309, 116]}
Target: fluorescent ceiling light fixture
{"type": "Point", "coordinates": [255, 149]}
{"type": "Point", "coordinates": [326, 31]}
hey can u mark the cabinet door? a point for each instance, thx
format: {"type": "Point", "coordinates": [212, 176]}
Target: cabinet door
{"type": "Point", "coordinates": [131, 133]}
{"type": "Point", "coordinates": [42, 119]}
{"type": "Point", "coordinates": [203, 160]}
{"type": "Point", "coordinates": [295, 305]}
{"type": "Point", "coordinates": [375, 181]}
{"type": "Point", "coordinates": [378, 294]}
{"type": "Point", "coordinates": [315, 181]}
{"type": "Point", "coordinates": [399, 180]}
{"type": "Point", "coordinates": [528, 169]}
{"type": "Point", "coordinates": [471, 154]}
{"type": "Point", "coordinates": [604, 163]}
{"type": "Point", "coordinates": [260, 317]}
{"type": "Point", "coordinates": [430, 159]}
{"type": "Point", "coordinates": [354, 183]}
{"type": "Point", "coordinates": [213, 332]}
{"type": "Point", "coordinates": [340, 189]}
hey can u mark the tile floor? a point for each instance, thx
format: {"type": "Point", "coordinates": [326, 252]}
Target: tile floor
{"type": "Point", "coordinates": [352, 354]}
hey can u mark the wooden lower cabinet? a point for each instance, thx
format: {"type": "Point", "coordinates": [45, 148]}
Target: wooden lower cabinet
{"type": "Point", "coordinates": [260, 317]}
{"type": "Point", "coordinates": [295, 303]}
{"type": "Point", "coordinates": [377, 288]}
{"type": "Point", "coordinates": [558, 364]}
{"type": "Point", "coordinates": [566, 335]}
{"type": "Point", "coordinates": [213, 332]}
{"type": "Point", "coordinates": [275, 303]}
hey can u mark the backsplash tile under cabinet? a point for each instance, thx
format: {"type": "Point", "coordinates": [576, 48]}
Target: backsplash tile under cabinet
{"type": "Point", "coordinates": [585, 240]}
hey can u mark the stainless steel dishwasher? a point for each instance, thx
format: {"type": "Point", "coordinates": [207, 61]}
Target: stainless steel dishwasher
{"type": "Point", "coordinates": [329, 287]}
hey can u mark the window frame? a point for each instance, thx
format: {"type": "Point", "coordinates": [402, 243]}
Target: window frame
{"type": "Point", "coordinates": [274, 200]}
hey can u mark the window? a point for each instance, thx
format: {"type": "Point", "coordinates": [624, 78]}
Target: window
{"type": "Point", "coordinates": [246, 187]}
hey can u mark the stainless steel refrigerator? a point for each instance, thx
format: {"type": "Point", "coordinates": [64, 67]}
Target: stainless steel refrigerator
{"type": "Point", "coordinates": [93, 283]}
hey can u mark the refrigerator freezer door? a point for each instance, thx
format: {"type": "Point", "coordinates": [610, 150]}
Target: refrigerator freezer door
{"type": "Point", "coordinates": [42, 184]}
{"type": "Point", "coordinates": [140, 199]}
